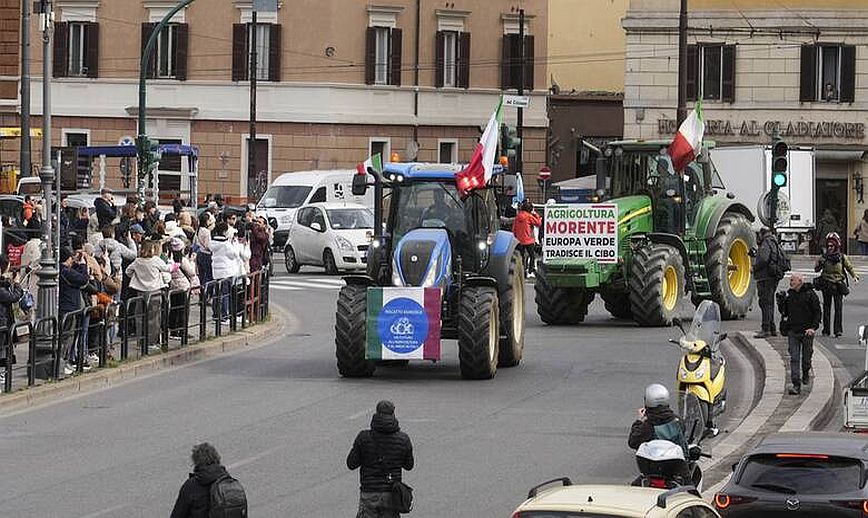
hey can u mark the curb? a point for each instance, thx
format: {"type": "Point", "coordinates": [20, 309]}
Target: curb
{"type": "Point", "coordinates": [247, 339]}
{"type": "Point", "coordinates": [810, 414]}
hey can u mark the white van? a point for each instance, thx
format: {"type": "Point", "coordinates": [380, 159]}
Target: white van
{"type": "Point", "coordinates": [292, 190]}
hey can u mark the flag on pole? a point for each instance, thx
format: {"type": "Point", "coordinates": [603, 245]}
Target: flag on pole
{"type": "Point", "coordinates": [478, 171]}
{"type": "Point", "coordinates": [518, 197]}
{"type": "Point", "coordinates": [374, 162]}
{"type": "Point", "coordinates": [685, 147]}
{"type": "Point", "coordinates": [403, 324]}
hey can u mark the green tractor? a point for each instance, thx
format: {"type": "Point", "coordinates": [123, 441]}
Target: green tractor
{"type": "Point", "coordinates": [678, 233]}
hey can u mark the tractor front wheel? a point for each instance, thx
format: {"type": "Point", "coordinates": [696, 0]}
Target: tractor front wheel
{"type": "Point", "coordinates": [478, 332]}
{"type": "Point", "coordinates": [729, 266]}
{"type": "Point", "coordinates": [512, 315]}
{"type": "Point", "coordinates": [617, 302]}
{"type": "Point", "coordinates": [656, 284]}
{"type": "Point", "coordinates": [560, 306]}
{"type": "Point", "coordinates": [350, 332]}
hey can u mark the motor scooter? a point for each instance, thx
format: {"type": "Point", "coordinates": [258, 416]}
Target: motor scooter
{"type": "Point", "coordinates": [702, 370]}
{"type": "Point", "coordinates": [664, 465]}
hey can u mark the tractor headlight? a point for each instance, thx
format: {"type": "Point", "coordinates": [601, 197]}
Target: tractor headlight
{"type": "Point", "coordinates": [344, 244]}
{"type": "Point", "coordinates": [431, 276]}
{"type": "Point", "coordinates": [482, 245]}
{"type": "Point", "coordinates": [376, 243]}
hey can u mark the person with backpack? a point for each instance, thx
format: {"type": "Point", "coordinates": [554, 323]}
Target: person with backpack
{"type": "Point", "coordinates": [769, 268]}
{"type": "Point", "coordinates": [657, 420]}
{"type": "Point", "coordinates": [833, 282]}
{"type": "Point", "coordinates": [209, 492]}
{"type": "Point", "coordinates": [380, 454]}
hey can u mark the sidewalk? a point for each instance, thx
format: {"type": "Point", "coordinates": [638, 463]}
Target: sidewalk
{"type": "Point", "coordinates": [776, 410]}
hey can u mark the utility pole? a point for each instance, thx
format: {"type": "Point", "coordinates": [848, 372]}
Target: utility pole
{"type": "Point", "coordinates": [47, 296]}
{"type": "Point", "coordinates": [251, 142]}
{"type": "Point", "coordinates": [519, 163]}
{"type": "Point", "coordinates": [682, 64]}
{"type": "Point", "coordinates": [25, 157]}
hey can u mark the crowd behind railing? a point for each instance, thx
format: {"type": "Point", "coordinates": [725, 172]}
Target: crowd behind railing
{"type": "Point", "coordinates": [131, 282]}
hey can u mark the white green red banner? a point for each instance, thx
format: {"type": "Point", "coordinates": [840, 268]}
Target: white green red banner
{"type": "Point", "coordinates": [403, 324]}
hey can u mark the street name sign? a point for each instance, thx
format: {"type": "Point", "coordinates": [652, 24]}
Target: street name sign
{"type": "Point", "coordinates": [516, 101]}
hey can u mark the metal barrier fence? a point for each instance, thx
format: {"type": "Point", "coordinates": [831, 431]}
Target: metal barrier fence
{"type": "Point", "coordinates": [133, 328]}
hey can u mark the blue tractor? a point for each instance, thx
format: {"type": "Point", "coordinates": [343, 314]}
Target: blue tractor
{"type": "Point", "coordinates": [428, 236]}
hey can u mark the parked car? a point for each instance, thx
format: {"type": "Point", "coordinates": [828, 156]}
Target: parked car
{"type": "Point", "coordinates": [611, 501]}
{"type": "Point", "coordinates": [332, 235]}
{"type": "Point", "coordinates": [799, 474]}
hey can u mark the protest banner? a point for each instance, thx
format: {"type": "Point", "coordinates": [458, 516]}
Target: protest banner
{"type": "Point", "coordinates": [581, 231]}
{"type": "Point", "coordinates": [403, 324]}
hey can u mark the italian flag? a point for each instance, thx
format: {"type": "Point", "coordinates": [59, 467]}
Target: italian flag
{"type": "Point", "coordinates": [687, 142]}
{"type": "Point", "coordinates": [478, 171]}
{"type": "Point", "coordinates": [403, 324]}
{"type": "Point", "coordinates": [374, 163]}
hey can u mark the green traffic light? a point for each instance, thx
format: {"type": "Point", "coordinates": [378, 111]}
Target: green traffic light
{"type": "Point", "coordinates": [779, 179]}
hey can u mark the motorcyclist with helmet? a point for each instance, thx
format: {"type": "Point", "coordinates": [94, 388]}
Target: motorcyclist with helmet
{"type": "Point", "coordinates": [657, 421]}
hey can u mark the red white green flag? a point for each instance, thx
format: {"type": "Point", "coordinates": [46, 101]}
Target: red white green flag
{"type": "Point", "coordinates": [478, 172]}
{"type": "Point", "coordinates": [403, 324]}
{"type": "Point", "coordinates": [687, 143]}
{"type": "Point", "coordinates": [374, 162]}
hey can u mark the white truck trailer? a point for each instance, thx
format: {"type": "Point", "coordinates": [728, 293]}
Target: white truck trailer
{"type": "Point", "coordinates": [746, 172]}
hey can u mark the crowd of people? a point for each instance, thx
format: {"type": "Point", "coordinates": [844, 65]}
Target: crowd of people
{"type": "Point", "coordinates": [111, 253]}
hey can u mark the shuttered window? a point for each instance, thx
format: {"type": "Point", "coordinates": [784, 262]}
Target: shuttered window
{"type": "Point", "coordinates": [76, 49]}
{"type": "Point", "coordinates": [383, 56]}
{"type": "Point", "coordinates": [510, 63]}
{"type": "Point", "coordinates": [268, 51]}
{"type": "Point", "coordinates": [169, 59]}
{"type": "Point", "coordinates": [452, 56]}
{"type": "Point", "coordinates": [828, 73]}
{"type": "Point", "coordinates": [711, 72]}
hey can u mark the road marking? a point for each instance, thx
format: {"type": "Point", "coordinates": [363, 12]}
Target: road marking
{"type": "Point", "coordinates": [285, 288]}
{"type": "Point", "coordinates": [849, 347]}
{"type": "Point", "coordinates": [254, 458]}
{"type": "Point", "coordinates": [307, 283]}
{"type": "Point", "coordinates": [361, 414]}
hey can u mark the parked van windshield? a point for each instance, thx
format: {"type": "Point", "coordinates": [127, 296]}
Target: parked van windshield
{"type": "Point", "coordinates": [285, 196]}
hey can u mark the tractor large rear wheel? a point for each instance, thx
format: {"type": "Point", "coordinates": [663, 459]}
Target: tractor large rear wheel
{"type": "Point", "coordinates": [350, 332]}
{"type": "Point", "coordinates": [478, 332]}
{"type": "Point", "coordinates": [617, 302]}
{"type": "Point", "coordinates": [656, 284]}
{"type": "Point", "coordinates": [512, 315]}
{"type": "Point", "coordinates": [729, 266]}
{"type": "Point", "coordinates": [560, 306]}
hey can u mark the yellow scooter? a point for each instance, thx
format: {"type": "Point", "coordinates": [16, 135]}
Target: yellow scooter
{"type": "Point", "coordinates": [702, 370]}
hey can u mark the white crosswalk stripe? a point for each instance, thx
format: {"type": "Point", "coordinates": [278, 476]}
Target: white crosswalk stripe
{"type": "Point", "coordinates": [306, 283]}
{"type": "Point", "coordinates": [809, 272]}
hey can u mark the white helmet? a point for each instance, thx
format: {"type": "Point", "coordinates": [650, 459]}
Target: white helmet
{"type": "Point", "coordinates": [656, 395]}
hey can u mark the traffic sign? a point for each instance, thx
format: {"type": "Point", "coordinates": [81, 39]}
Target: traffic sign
{"type": "Point", "coordinates": [516, 101]}
{"type": "Point", "coordinates": [127, 141]}
{"type": "Point", "coordinates": [544, 173]}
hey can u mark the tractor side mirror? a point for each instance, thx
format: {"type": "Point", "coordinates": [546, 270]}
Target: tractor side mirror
{"type": "Point", "coordinates": [360, 184]}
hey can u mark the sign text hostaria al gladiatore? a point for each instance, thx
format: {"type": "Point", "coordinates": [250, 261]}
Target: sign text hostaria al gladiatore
{"type": "Point", "coordinates": [581, 231]}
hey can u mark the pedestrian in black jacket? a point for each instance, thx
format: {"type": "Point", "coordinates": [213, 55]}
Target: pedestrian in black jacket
{"type": "Point", "coordinates": [194, 498]}
{"type": "Point", "coordinates": [381, 453]}
{"type": "Point", "coordinates": [10, 293]}
{"type": "Point", "coordinates": [106, 211]}
{"type": "Point", "coordinates": [767, 280]}
{"type": "Point", "coordinates": [801, 308]}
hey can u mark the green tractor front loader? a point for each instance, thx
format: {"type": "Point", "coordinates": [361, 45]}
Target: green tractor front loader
{"type": "Point", "coordinates": [677, 233]}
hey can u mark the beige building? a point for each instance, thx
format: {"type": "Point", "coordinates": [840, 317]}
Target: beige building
{"type": "Point", "coordinates": [796, 66]}
{"type": "Point", "coordinates": [338, 79]}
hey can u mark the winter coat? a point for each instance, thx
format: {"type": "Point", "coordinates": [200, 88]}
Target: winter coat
{"type": "Point", "coordinates": [117, 253]}
{"type": "Point", "coordinates": [384, 440]}
{"type": "Point", "coordinates": [105, 212]}
{"type": "Point", "coordinates": [224, 258]}
{"type": "Point", "coordinates": [523, 225]}
{"type": "Point", "coordinates": [832, 266]}
{"type": "Point", "coordinates": [181, 276]}
{"type": "Point", "coordinates": [243, 250]}
{"type": "Point", "coordinates": [194, 498]}
{"type": "Point", "coordinates": [203, 240]}
{"type": "Point", "coordinates": [644, 430]}
{"type": "Point", "coordinates": [768, 249]}
{"type": "Point", "coordinates": [802, 309]}
{"type": "Point", "coordinates": [72, 281]}
{"type": "Point", "coordinates": [10, 293]}
{"type": "Point", "coordinates": [148, 274]}
{"type": "Point", "coordinates": [258, 248]}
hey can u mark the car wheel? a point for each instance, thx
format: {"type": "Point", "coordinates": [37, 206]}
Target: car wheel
{"type": "Point", "coordinates": [289, 260]}
{"type": "Point", "coordinates": [328, 261]}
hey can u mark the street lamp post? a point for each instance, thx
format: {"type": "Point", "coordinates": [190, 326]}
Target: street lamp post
{"type": "Point", "coordinates": [47, 296]}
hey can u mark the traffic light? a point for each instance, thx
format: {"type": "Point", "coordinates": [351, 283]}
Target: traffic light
{"type": "Point", "coordinates": [780, 155]}
{"type": "Point", "coordinates": [509, 143]}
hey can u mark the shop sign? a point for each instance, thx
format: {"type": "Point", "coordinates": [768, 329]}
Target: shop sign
{"type": "Point", "coordinates": [786, 129]}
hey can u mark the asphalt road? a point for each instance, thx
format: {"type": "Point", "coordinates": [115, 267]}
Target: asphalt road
{"type": "Point", "coordinates": [284, 421]}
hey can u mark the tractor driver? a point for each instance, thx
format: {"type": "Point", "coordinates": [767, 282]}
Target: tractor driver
{"type": "Point", "coordinates": [441, 211]}
{"type": "Point", "coordinates": [667, 190]}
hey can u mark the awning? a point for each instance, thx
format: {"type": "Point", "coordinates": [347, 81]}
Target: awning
{"type": "Point", "coordinates": [839, 155]}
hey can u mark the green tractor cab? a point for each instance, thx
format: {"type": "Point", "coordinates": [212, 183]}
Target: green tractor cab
{"type": "Point", "coordinates": [429, 238]}
{"type": "Point", "coordinates": [677, 233]}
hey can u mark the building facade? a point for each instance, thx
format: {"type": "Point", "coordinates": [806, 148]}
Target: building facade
{"type": "Point", "coordinates": [796, 67]}
{"type": "Point", "coordinates": [586, 48]}
{"type": "Point", "coordinates": [337, 81]}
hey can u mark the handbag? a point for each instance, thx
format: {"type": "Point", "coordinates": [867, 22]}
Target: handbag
{"type": "Point", "coordinates": [402, 494]}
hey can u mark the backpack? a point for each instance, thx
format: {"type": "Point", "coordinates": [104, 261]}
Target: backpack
{"type": "Point", "coordinates": [779, 262]}
{"type": "Point", "coordinates": [228, 499]}
{"type": "Point", "coordinates": [672, 432]}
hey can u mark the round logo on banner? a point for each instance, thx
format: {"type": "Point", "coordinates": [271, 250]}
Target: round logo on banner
{"type": "Point", "coordinates": [402, 326]}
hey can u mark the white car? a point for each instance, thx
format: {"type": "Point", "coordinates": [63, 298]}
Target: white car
{"type": "Point", "coordinates": [332, 235]}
